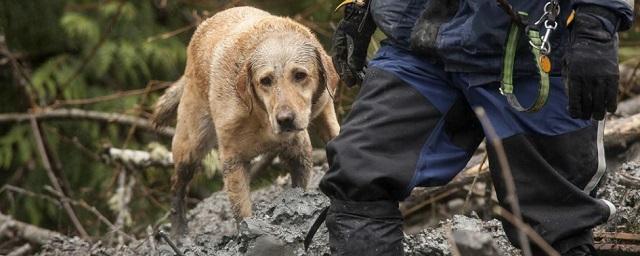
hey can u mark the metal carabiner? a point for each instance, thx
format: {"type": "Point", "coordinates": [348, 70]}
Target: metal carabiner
{"type": "Point", "coordinates": [544, 15]}
{"type": "Point", "coordinates": [548, 9]}
{"type": "Point", "coordinates": [551, 12]}
{"type": "Point", "coordinates": [546, 45]}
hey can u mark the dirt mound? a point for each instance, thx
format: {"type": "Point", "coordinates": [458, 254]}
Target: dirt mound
{"type": "Point", "coordinates": [282, 217]}
{"type": "Point", "coordinates": [278, 227]}
{"type": "Point", "coordinates": [281, 220]}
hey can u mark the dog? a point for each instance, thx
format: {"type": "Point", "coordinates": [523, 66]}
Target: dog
{"type": "Point", "coordinates": [252, 84]}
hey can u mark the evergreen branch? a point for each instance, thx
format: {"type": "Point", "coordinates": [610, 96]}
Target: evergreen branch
{"type": "Point", "coordinates": [94, 50]}
{"type": "Point", "coordinates": [80, 114]}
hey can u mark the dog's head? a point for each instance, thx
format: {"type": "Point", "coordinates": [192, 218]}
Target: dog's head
{"type": "Point", "coordinates": [285, 76]}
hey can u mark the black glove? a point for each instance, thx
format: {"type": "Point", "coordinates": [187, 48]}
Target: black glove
{"type": "Point", "coordinates": [350, 43]}
{"type": "Point", "coordinates": [590, 68]}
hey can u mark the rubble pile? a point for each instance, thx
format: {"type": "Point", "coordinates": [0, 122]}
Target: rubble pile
{"type": "Point", "coordinates": [620, 189]}
{"type": "Point", "coordinates": [282, 217]}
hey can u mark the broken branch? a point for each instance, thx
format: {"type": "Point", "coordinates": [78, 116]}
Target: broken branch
{"type": "Point", "coordinates": [22, 250]}
{"type": "Point", "coordinates": [80, 114]}
{"type": "Point", "coordinates": [139, 158]}
{"type": "Point", "coordinates": [158, 156]}
{"type": "Point", "coordinates": [511, 198]}
{"type": "Point", "coordinates": [29, 232]}
{"type": "Point", "coordinates": [91, 209]}
{"type": "Point", "coordinates": [630, 237]}
{"type": "Point", "coordinates": [46, 163]}
{"type": "Point", "coordinates": [535, 237]}
{"type": "Point", "coordinates": [155, 86]}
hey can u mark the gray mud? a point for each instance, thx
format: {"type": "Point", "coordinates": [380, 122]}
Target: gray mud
{"type": "Point", "coordinates": [278, 227]}
{"type": "Point", "coordinates": [282, 217]}
{"type": "Point", "coordinates": [436, 241]}
{"type": "Point", "coordinates": [625, 197]}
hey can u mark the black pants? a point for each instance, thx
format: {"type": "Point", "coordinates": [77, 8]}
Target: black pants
{"type": "Point", "coordinates": [412, 125]}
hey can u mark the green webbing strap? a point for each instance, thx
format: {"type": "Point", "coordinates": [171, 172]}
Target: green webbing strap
{"type": "Point", "coordinates": [507, 73]}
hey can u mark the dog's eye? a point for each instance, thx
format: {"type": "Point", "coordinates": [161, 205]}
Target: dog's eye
{"type": "Point", "coordinates": [299, 76]}
{"type": "Point", "coordinates": [266, 81]}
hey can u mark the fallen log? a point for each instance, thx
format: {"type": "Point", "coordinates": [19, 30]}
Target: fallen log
{"type": "Point", "coordinates": [629, 107]}
{"type": "Point", "coordinates": [156, 156]}
{"type": "Point", "coordinates": [621, 132]}
{"type": "Point", "coordinates": [31, 233]}
{"type": "Point", "coordinates": [627, 237]}
{"type": "Point", "coordinates": [159, 156]}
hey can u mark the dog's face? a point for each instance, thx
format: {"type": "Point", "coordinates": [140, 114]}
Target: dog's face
{"type": "Point", "coordinates": [285, 76]}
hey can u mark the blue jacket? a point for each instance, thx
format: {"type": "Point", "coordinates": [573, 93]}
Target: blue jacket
{"type": "Point", "coordinates": [473, 39]}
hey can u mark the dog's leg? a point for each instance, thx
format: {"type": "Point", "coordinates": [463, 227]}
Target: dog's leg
{"type": "Point", "coordinates": [236, 182]}
{"type": "Point", "coordinates": [298, 158]}
{"type": "Point", "coordinates": [194, 138]}
{"type": "Point", "coordinates": [180, 180]}
{"type": "Point", "coordinates": [326, 123]}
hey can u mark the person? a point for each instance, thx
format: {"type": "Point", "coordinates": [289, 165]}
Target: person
{"type": "Point", "coordinates": [413, 121]}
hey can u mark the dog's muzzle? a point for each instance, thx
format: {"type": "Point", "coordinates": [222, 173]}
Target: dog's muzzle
{"type": "Point", "coordinates": [286, 121]}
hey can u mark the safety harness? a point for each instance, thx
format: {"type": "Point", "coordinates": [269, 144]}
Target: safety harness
{"type": "Point", "coordinates": [540, 48]}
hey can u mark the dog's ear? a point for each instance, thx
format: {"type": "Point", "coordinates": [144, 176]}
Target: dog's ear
{"type": "Point", "coordinates": [244, 87]}
{"type": "Point", "coordinates": [328, 75]}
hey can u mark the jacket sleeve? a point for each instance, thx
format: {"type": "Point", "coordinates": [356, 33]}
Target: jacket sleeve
{"type": "Point", "coordinates": [624, 9]}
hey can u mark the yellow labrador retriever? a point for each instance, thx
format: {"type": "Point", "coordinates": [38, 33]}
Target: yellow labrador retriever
{"type": "Point", "coordinates": [252, 84]}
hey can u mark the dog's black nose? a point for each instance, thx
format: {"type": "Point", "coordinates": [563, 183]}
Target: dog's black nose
{"type": "Point", "coordinates": [285, 120]}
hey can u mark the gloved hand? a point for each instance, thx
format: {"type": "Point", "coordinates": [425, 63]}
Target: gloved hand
{"type": "Point", "coordinates": [350, 43]}
{"type": "Point", "coordinates": [590, 68]}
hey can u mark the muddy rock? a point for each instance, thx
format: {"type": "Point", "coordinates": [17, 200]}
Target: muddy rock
{"type": "Point", "coordinates": [472, 233]}
{"type": "Point", "coordinates": [281, 219]}
{"type": "Point", "coordinates": [625, 196]}
{"type": "Point", "coordinates": [279, 227]}
{"type": "Point", "coordinates": [474, 243]}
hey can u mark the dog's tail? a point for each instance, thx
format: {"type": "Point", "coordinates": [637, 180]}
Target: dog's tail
{"type": "Point", "coordinates": [167, 106]}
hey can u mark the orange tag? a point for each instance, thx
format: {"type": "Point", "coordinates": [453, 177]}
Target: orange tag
{"type": "Point", "coordinates": [571, 17]}
{"type": "Point", "coordinates": [545, 63]}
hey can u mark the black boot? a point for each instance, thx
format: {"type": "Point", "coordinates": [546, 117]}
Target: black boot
{"type": "Point", "coordinates": [365, 228]}
{"type": "Point", "coordinates": [583, 250]}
